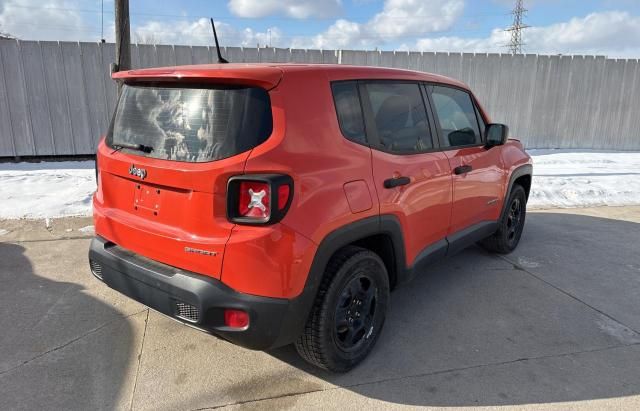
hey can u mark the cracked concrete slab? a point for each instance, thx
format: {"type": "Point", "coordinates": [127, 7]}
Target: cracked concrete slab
{"type": "Point", "coordinates": [94, 372]}
{"type": "Point", "coordinates": [592, 257]}
{"type": "Point", "coordinates": [48, 299]}
{"type": "Point", "coordinates": [186, 369]}
{"type": "Point", "coordinates": [564, 382]}
{"type": "Point", "coordinates": [550, 326]}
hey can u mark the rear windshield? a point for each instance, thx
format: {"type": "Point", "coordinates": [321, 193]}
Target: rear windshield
{"type": "Point", "coordinates": [191, 124]}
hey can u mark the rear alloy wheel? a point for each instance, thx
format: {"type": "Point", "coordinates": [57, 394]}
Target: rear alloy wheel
{"type": "Point", "coordinates": [354, 313]}
{"type": "Point", "coordinates": [348, 313]}
{"type": "Point", "coordinates": [510, 228]}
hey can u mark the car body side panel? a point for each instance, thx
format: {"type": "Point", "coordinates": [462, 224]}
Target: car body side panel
{"type": "Point", "coordinates": [478, 194]}
{"type": "Point", "coordinates": [514, 156]}
{"type": "Point", "coordinates": [423, 207]}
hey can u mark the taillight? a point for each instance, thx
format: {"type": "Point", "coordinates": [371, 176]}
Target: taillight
{"type": "Point", "coordinates": [254, 200]}
{"type": "Point", "coordinates": [283, 196]}
{"type": "Point", "coordinates": [258, 198]}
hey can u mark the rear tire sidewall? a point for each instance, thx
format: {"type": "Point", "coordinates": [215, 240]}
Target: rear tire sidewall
{"type": "Point", "coordinates": [363, 264]}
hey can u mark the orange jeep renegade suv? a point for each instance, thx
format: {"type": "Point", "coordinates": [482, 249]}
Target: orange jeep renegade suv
{"type": "Point", "coordinates": [271, 204]}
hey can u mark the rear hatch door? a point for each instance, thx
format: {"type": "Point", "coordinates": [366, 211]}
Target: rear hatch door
{"type": "Point", "coordinates": [164, 167]}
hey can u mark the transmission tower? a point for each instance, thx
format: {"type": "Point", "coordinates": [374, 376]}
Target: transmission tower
{"type": "Point", "coordinates": [515, 46]}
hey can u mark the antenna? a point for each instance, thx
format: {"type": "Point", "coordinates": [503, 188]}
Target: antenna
{"type": "Point", "coordinates": [102, 23]}
{"type": "Point", "coordinates": [215, 36]}
{"type": "Point", "coordinates": [515, 46]}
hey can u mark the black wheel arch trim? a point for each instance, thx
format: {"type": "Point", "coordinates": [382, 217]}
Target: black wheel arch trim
{"type": "Point", "coordinates": [523, 170]}
{"type": "Point", "coordinates": [332, 242]}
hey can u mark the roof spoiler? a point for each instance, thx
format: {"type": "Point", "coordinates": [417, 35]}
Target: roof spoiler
{"type": "Point", "coordinates": [233, 74]}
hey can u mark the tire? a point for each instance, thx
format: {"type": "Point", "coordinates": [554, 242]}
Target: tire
{"type": "Point", "coordinates": [348, 313]}
{"type": "Point", "coordinates": [510, 227]}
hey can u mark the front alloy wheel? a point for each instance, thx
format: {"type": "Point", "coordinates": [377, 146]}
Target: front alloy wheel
{"type": "Point", "coordinates": [511, 225]}
{"type": "Point", "coordinates": [514, 221]}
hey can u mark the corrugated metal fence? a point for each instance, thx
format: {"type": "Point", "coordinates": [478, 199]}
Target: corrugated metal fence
{"type": "Point", "coordinates": [56, 98]}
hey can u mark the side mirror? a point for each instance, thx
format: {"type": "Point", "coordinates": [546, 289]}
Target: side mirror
{"type": "Point", "coordinates": [497, 135]}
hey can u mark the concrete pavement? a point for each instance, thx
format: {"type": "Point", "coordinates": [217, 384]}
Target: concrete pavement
{"type": "Point", "coordinates": [554, 325]}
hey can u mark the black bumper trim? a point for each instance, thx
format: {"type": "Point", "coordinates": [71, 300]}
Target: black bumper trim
{"type": "Point", "coordinates": [273, 321]}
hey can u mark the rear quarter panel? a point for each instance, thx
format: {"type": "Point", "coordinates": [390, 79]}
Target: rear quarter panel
{"type": "Point", "coordinates": [309, 146]}
{"type": "Point", "coordinates": [306, 144]}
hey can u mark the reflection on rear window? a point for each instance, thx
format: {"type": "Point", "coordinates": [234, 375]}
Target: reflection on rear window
{"type": "Point", "coordinates": [191, 124]}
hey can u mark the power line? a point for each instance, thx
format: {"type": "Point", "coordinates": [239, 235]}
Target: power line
{"type": "Point", "coordinates": [271, 36]}
{"type": "Point", "coordinates": [515, 46]}
{"type": "Point", "coordinates": [225, 18]}
{"type": "Point", "coordinates": [293, 35]}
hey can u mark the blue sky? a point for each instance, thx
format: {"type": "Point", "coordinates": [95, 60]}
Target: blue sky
{"type": "Point", "coordinates": [609, 27]}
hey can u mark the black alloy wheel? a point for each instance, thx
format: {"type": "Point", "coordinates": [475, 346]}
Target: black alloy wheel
{"type": "Point", "coordinates": [511, 225]}
{"type": "Point", "coordinates": [355, 313]}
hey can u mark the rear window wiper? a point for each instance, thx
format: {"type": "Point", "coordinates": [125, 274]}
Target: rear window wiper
{"type": "Point", "coordinates": [136, 147]}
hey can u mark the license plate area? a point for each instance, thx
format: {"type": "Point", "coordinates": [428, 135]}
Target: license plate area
{"type": "Point", "coordinates": [147, 199]}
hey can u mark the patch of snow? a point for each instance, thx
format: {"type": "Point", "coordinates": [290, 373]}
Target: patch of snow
{"type": "Point", "coordinates": [87, 229]}
{"type": "Point", "coordinates": [46, 189]}
{"type": "Point", "coordinates": [617, 330]}
{"type": "Point", "coordinates": [527, 263]}
{"type": "Point", "coordinates": [3, 231]}
{"type": "Point", "coordinates": [566, 179]}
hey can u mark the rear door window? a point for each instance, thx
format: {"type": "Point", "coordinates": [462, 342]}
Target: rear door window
{"type": "Point", "coordinates": [399, 116]}
{"type": "Point", "coordinates": [347, 101]}
{"type": "Point", "coordinates": [191, 124]}
{"type": "Point", "coordinates": [457, 117]}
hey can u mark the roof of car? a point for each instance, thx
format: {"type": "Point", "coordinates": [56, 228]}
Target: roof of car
{"type": "Point", "coordinates": [269, 74]}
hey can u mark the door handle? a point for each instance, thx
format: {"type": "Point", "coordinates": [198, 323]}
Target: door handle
{"type": "Point", "coordinates": [396, 182]}
{"type": "Point", "coordinates": [462, 170]}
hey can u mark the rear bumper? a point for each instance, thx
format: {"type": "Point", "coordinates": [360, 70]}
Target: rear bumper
{"type": "Point", "coordinates": [196, 300]}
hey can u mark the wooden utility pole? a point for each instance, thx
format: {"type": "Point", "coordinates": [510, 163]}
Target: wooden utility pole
{"type": "Point", "coordinates": [123, 37]}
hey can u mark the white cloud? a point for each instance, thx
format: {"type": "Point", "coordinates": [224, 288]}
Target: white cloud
{"type": "Point", "coordinates": [611, 33]}
{"type": "Point", "coordinates": [299, 9]}
{"type": "Point", "coordinates": [55, 20]}
{"type": "Point", "coordinates": [398, 19]}
{"type": "Point", "coordinates": [198, 33]}
{"type": "Point", "coordinates": [494, 43]}
{"type": "Point", "coordinates": [341, 34]}
{"type": "Point", "coordinates": [614, 33]}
